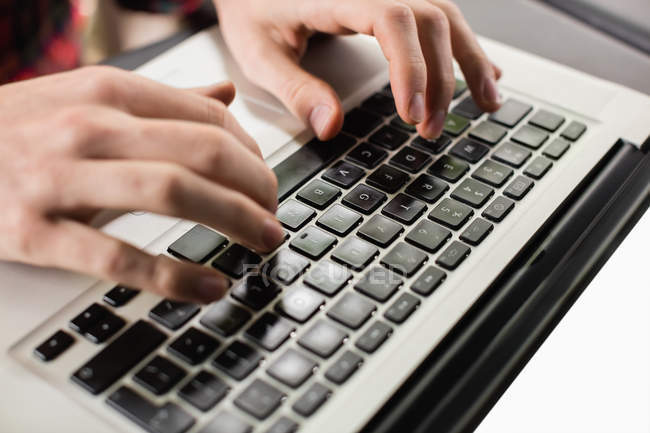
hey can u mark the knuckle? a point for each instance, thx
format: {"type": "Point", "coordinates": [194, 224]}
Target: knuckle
{"type": "Point", "coordinates": [102, 84]}
{"type": "Point", "coordinates": [21, 227]}
{"type": "Point", "coordinates": [82, 126]}
{"type": "Point", "coordinates": [215, 112]}
{"type": "Point", "coordinates": [116, 262]}
{"type": "Point", "coordinates": [398, 12]}
{"type": "Point", "coordinates": [292, 90]}
{"type": "Point", "coordinates": [437, 18]}
{"type": "Point", "coordinates": [166, 278]}
{"type": "Point", "coordinates": [451, 9]}
{"type": "Point", "coordinates": [169, 189]}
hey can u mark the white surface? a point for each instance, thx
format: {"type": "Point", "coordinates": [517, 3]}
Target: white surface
{"type": "Point", "coordinates": [592, 374]}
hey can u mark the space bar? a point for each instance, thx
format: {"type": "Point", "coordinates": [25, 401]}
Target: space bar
{"type": "Point", "coordinates": [303, 164]}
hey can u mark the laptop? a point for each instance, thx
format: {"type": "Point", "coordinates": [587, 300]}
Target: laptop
{"type": "Point", "coordinates": [399, 251]}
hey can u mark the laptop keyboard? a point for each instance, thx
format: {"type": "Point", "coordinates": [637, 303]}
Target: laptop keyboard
{"type": "Point", "coordinates": [374, 206]}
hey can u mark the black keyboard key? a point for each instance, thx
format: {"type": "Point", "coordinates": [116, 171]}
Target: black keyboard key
{"type": "Point", "coordinates": [225, 422]}
{"type": "Point", "coordinates": [344, 367]}
{"type": "Point", "coordinates": [455, 124]}
{"type": "Point", "coordinates": [256, 291]}
{"type": "Point", "coordinates": [119, 296]}
{"type": "Point", "coordinates": [469, 150]}
{"type": "Point", "coordinates": [159, 375]}
{"type": "Point", "coordinates": [238, 360]}
{"type": "Point", "coordinates": [313, 242]}
{"type": "Point", "coordinates": [404, 209]}
{"type": "Point", "coordinates": [512, 154]}
{"type": "Point", "coordinates": [283, 425]}
{"type": "Point", "coordinates": [204, 391]}
{"type": "Point", "coordinates": [451, 213]}
{"type": "Point", "coordinates": [538, 167]}
{"type": "Point", "coordinates": [88, 318]}
{"type": "Point", "coordinates": [312, 399]}
{"type": "Point", "coordinates": [404, 259]}
{"type": "Point", "coordinates": [318, 194]}
{"type": "Point", "coordinates": [355, 253]}
{"type": "Point", "coordinates": [339, 220]}
{"type": "Point", "coordinates": [122, 354]}
{"type": "Point", "coordinates": [294, 215]}
{"type": "Point", "coordinates": [460, 88]}
{"type": "Point", "coordinates": [468, 108]}
{"type": "Point", "coordinates": [105, 328]}
{"type": "Point", "coordinates": [380, 230]}
{"type": "Point", "coordinates": [54, 346]}
{"type": "Point", "coordinates": [364, 199]}
{"type": "Point", "coordinates": [511, 113]}
{"type": "Point", "coordinates": [300, 303]}
{"type": "Point", "coordinates": [402, 308]}
{"type": "Point", "coordinates": [492, 173]}
{"type": "Point", "coordinates": [197, 245]}
{"type": "Point", "coordinates": [328, 277]}
{"type": "Point", "coordinates": [530, 136]}
{"type": "Point", "coordinates": [360, 122]}
{"type": "Point", "coordinates": [387, 179]}
{"type": "Point", "coordinates": [472, 193]}
{"type": "Point", "coordinates": [428, 235]}
{"type": "Point", "coordinates": [453, 255]}
{"type": "Point", "coordinates": [380, 104]}
{"type": "Point", "coordinates": [168, 418]}
{"type": "Point", "coordinates": [388, 137]}
{"type": "Point", "coordinates": [292, 368]}
{"type": "Point", "coordinates": [498, 209]}
{"type": "Point", "coordinates": [236, 261]}
{"type": "Point", "coordinates": [172, 314]}
{"type": "Point", "coordinates": [556, 148]}
{"type": "Point", "coordinates": [367, 155]}
{"type": "Point", "coordinates": [343, 174]}
{"type": "Point", "coordinates": [488, 132]}
{"type": "Point", "coordinates": [410, 159]}
{"type": "Point", "coordinates": [518, 188]}
{"type": "Point", "coordinates": [352, 310]}
{"type": "Point", "coordinates": [427, 188]}
{"type": "Point", "coordinates": [270, 331]}
{"type": "Point", "coordinates": [193, 346]}
{"type": "Point", "coordinates": [259, 399]}
{"type": "Point", "coordinates": [379, 284]}
{"type": "Point", "coordinates": [547, 120]}
{"type": "Point", "coordinates": [225, 318]}
{"type": "Point", "coordinates": [428, 281]}
{"type": "Point", "coordinates": [374, 337]}
{"type": "Point", "coordinates": [436, 145]}
{"type": "Point", "coordinates": [286, 266]}
{"type": "Point", "coordinates": [323, 339]}
{"type": "Point", "coordinates": [399, 123]}
{"type": "Point", "coordinates": [449, 168]}
{"type": "Point", "coordinates": [574, 131]}
{"type": "Point", "coordinates": [476, 231]}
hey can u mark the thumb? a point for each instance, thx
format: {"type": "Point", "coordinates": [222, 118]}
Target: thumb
{"type": "Point", "coordinates": [223, 91]}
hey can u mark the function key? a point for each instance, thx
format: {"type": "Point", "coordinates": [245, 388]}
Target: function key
{"type": "Point", "coordinates": [294, 215]}
{"type": "Point", "coordinates": [469, 150]}
{"type": "Point", "coordinates": [313, 242]}
{"type": "Point", "coordinates": [88, 318]}
{"type": "Point", "coordinates": [344, 367]}
{"type": "Point", "coordinates": [556, 149]}
{"type": "Point", "coordinates": [472, 193]}
{"type": "Point", "coordinates": [428, 281]}
{"type": "Point", "coordinates": [511, 113]}
{"type": "Point", "coordinates": [286, 266]}
{"type": "Point", "coordinates": [367, 155]}
{"type": "Point", "coordinates": [105, 328]}
{"type": "Point", "coordinates": [453, 255]}
{"type": "Point", "coordinates": [343, 174]}
{"type": "Point", "coordinates": [270, 331]}
{"type": "Point", "coordinates": [388, 137]}
{"type": "Point", "coordinates": [360, 122]}
{"type": "Point", "coordinates": [538, 168]}
{"type": "Point", "coordinates": [387, 179]}
{"type": "Point", "coordinates": [512, 154]}
{"type": "Point", "coordinates": [193, 346]}
{"type": "Point", "coordinates": [379, 284]}
{"type": "Point", "coordinates": [323, 339]}
{"type": "Point", "coordinates": [404, 209]}
{"type": "Point", "coordinates": [498, 209]}
{"type": "Point", "coordinates": [518, 188]}
{"type": "Point", "coordinates": [300, 304]}
{"type": "Point", "coordinates": [381, 104]}
{"type": "Point", "coordinates": [547, 120]}
{"type": "Point", "coordinates": [54, 346]}
{"type": "Point", "coordinates": [574, 131]}
{"type": "Point", "coordinates": [380, 230]}
{"type": "Point", "coordinates": [328, 277]}
{"type": "Point", "coordinates": [530, 136]}
{"type": "Point", "coordinates": [364, 199]}
{"type": "Point", "coordinates": [236, 261]}
{"type": "Point", "coordinates": [399, 123]}
{"type": "Point", "coordinates": [312, 399]}
{"type": "Point", "coordinates": [404, 259]}
{"type": "Point", "coordinates": [402, 308]}
{"type": "Point", "coordinates": [468, 109]}
{"type": "Point", "coordinates": [292, 368]}
{"type": "Point", "coordinates": [339, 220]}
{"type": "Point", "coordinates": [435, 145]}
{"type": "Point", "coordinates": [451, 213]}
{"type": "Point", "coordinates": [476, 231]}
{"type": "Point", "coordinates": [159, 375]}
{"type": "Point", "coordinates": [427, 188]}
{"type": "Point", "coordinates": [374, 337]}
{"type": "Point", "coordinates": [318, 194]}
{"type": "Point", "coordinates": [282, 425]}
{"type": "Point", "coordinates": [260, 399]}
{"type": "Point", "coordinates": [225, 318]}
{"type": "Point", "coordinates": [410, 159]}
{"type": "Point", "coordinates": [352, 310]}
{"type": "Point", "coordinates": [256, 291]}
{"type": "Point", "coordinates": [197, 245]}
{"type": "Point", "coordinates": [428, 235]}
{"type": "Point", "coordinates": [449, 168]}
{"type": "Point", "coordinates": [355, 253]}
{"type": "Point", "coordinates": [204, 391]}
{"type": "Point", "coordinates": [460, 88]}
{"type": "Point", "coordinates": [488, 132]}
{"type": "Point", "coordinates": [172, 314]}
{"type": "Point", "coordinates": [455, 124]}
{"type": "Point", "coordinates": [238, 360]}
{"type": "Point", "coordinates": [119, 296]}
{"type": "Point", "coordinates": [492, 173]}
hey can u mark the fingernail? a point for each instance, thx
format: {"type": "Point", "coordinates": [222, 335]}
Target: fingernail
{"type": "Point", "coordinates": [436, 123]}
{"type": "Point", "coordinates": [490, 91]}
{"type": "Point", "coordinates": [209, 289]}
{"type": "Point", "coordinates": [319, 118]}
{"type": "Point", "coordinates": [416, 109]}
{"type": "Point", "coordinates": [272, 235]}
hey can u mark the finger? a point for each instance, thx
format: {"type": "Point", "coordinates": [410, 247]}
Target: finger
{"type": "Point", "coordinates": [223, 91]}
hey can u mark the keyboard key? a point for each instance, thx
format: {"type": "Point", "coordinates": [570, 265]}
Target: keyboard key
{"type": "Point", "coordinates": [399, 123]}
{"type": "Point", "coordinates": [380, 230]}
{"type": "Point", "coordinates": [119, 296]}
{"type": "Point", "coordinates": [428, 281]}
{"type": "Point", "coordinates": [404, 209]}
{"type": "Point", "coordinates": [323, 339]}
{"type": "Point", "coordinates": [339, 220]}
{"type": "Point", "coordinates": [451, 213]}
{"type": "Point", "coordinates": [256, 291]}
{"type": "Point", "coordinates": [574, 131]}
{"type": "Point", "coordinates": [435, 145]}
{"type": "Point", "coordinates": [379, 284]}
{"type": "Point", "coordinates": [472, 193]}
{"type": "Point", "coordinates": [538, 168]}
{"type": "Point", "coordinates": [172, 314]}
{"type": "Point", "coordinates": [388, 179]}
{"type": "Point", "coordinates": [364, 199]}
{"type": "Point", "coordinates": [547, 120]}
{"type": "Point", "coordinates": [168, 418]}
{"type": "Point", "coordinates": [488, 132]}
{"type": "Point", "coordinates": [343, 174]}
{"type": "Point", "coordinates": [318, 194]}
{"type": "Point", "coordinates": [236, 261]}
{"type": "Point", "coordinates": [225, 318]}
{"type": "Point", "coordinates": [54, 346]}
{"type": "Point", "coordinates": [468, 109]}
{"type": "Point", "coordinates": [88, 318]}
{"type": "Point", "coordinates": [204, 391]}
{"type": "Point", "coordinates": [402, 308]}
{"type": "Point", "coordinates": [530, 136]}
{"type": "Point", "coordinates": [118, 357]}
{"type": "Point", "coordinates": [159, 375]}
{"type": "Point", "coordinates": [453, 255]}
{"type": "Point", "coordinates": [283, 425]}
{"type": "Point", "coordinates": [238, 360]}
{"type": "Point", "coordinates": [476, 231]}
{"type": "Point", "coordinates": [519, 187]}
{"type": "Point", "coordinates": [197, 245]}
{"type": "Point", "coordinates": [556, 148]}
{"type": "Point", "coordinates": [270, 331]}
{"type": "Point", "coordinates": [344, 367]}
{"type": "Point", "coordinates": [360, 122]}
{"type": "Point", "coordinates": [367, 155]}
{"type": "Point", "coordinates": [460, 88]}
{"type": "Point", "coordinates": [292, 368]}
{"type": "Point", "coordinates": [355, 253]}
{"type": "Point", "coordinates": [428, 235]}
{"type": "Point", "coordinates": [105, 328]}
{"type": "Point", "coordinates": [225, 422]}
{"type": "Point", "coordinates": [449, 168]}
{"type": "Point", "coordinates": [286, 266]}
{"type": "Point", "coordinates": [300, 303]}
{"type": "Point", "coordinates": [455, 124]}
{"type": "Point", "coordinates": [512, 154]}
{"type": "Point", "coordinates": [410, 159]}
{"type": "Point", "coordinates": [380, 104]}
{"type": "Point", "coordinates": [469, 150]}
{"type": "Point", "coordinates": [492, 173]}
{"type": "Point", "coordinates": [259, 399]}
{"type": "Point", "coordinates": [313, 242]}
{"type": "Point", "coordinates": [328, 277]}
{"type": "Point", "coordinates": [388, 137]}
{"type": "Point", "coordinates": [193, 346]}
{"type": "Point", "coordinates": [294, 215]}
{"type": "Point", "coordinates": [427, 188]}
{"type": "Point", "coordinates": [511, 113]}
{"type": "Point", "coordinates": [374, 337]}
{"type": "Point", "coordinates": [311, 400]}
{"type": "Point", "coordinates": [404, 259]}
{"type": "Point", "coordinates": [498, 209]}
{"type": "Point", "coordinates": [352, 310]}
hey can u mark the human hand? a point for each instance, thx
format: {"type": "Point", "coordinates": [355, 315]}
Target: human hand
{"type": "Point", "coordinates": [418, 37]}
{"type": "Point", "coordinates": [97, 138]}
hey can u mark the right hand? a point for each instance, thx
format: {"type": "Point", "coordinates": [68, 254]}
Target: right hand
{"type": "Point", "coordinates": [97, 138]}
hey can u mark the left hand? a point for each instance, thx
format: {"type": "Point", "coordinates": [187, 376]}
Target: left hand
{"type": "Point", "coordinates": [418, 37]}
